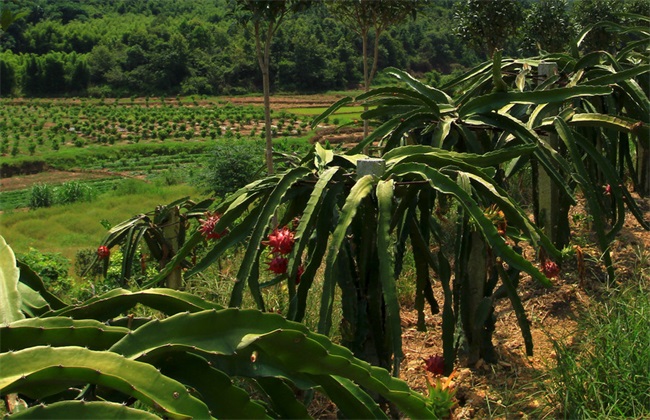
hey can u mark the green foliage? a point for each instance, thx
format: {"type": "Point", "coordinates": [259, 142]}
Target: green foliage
{"type": "Point", "coordinates": [199, 50]}
{"type": "Point", "coordinates": [161, 232]}
{"type": "Point", "coordinates": [9, 277]}
{"type": "Point", "coordinates": [52, 268]}
{"type": "Point", "coordinates": [46, 195]}
{"type": "Point", "coordinates": [605, 371]}
{"type": "Point", "coordinates": [548, 26]}
{"type": "Point", "coordinates": [487, 25]}
{"type": "Point", "coordinates": [73, 191]}
{"type": "Point", "coordinates": [41, 195]}
{"type": "Point", "coordinates": [176, 367]}
{"type": "Point", "coordinates": [232, 165]}
{"type": "Point", "coordinates": [438, 150]}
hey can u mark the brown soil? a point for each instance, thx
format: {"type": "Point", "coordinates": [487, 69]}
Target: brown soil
{"type": "Point", "coordinates": [277, 101]}
{"type": "Point", "coordinates": [283, 102]}
{"type": "Point", "coordinates": [20, 182]}
{"type": "Point", "coordinates": [511, 388]}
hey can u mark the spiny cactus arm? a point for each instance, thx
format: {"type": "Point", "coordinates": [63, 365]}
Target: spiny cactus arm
{"type": "Point", "coordinates": [350, 398]}
{"type": "Point", "coordinates": [581, 175]}
{"type": "Point", "coordinates": [413, 96]}
{"type": "Point", "coordinates": [283, 399]}
{"type": "Point", "coordinates": [252, 343]}
{"type": "Point", "coordinates": [32, 303]}
{"type": "Point", "coordinates": [308, 222]}
{"type": "Point", "coordinates": [33, 281]}
{"type": "Point", "coordinates": [436, 95]}
{"type": "Point", "coordinates": [338, 104]}
{"type": "Point", "coordinates": [494, 101]}
{"type": "Point", "coordinates": [246, 273]}
{"type": "Point", "coordinates": [359, 191]}
{"type": "Point", "coordinates": [199, 330]}
{"type": "Point", "coordinates": [65, 410]}
{"type": "Point", "coordinates": [446, 185]}
{"type": "Point", "coordinates": [488, 159]}
{"type": "Point", "coordinates": [118, 301]}
{"type": "Point", "coordinates": [57, 332]}
{"type": "Point", "coordinates": [381, 132]}
{"type": "Point", "coordinates": [119, 232]}
{"type": "Point", "coordinates": [237, 235]}
{"type": "Point", "coordinates": [299, 352]}
{"type": "Point", "coordinates": [10, 300]}
{"type": "Point", "coordinates": [548, 157]}
{"type": "Point", "coordinates": [520, 312]}
{"type": "Point", "coordinates": [129, 321]}
{"type": "Point", "coordinates": [618, 123]}
{"type": "Point", "coordinates": [620, 76]}
{"type": "Point", "coordinates": [241, 365]}
{"type": "Point", "coordinates": [327, 212]}
{"type": "Point", "coordinates": [215, 388]}
{"type": "Point", "coordinates": [40, 371]}
{"type": "Point", "coordinates": [387, 270]}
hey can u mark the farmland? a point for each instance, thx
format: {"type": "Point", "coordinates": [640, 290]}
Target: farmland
{"type": "Point", "coordinates": [103, 140]}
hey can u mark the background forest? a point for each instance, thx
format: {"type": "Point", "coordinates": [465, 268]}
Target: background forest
{"type": "Point", "coordinates": [166, 47]}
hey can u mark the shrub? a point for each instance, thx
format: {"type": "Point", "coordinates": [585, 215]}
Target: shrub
{"type": "Point", "coordinates": [52, 268]}
{"type": "Point", "coordinates": [171, 176]}
{"type": "Point", "coordinates": [82, 263]}
{"type": "Point", "coordinates": [41, 195]}
{"type": "Point", "coordinates": [231, 166]}
{"type": "Point", "coordinates": [72, 192]}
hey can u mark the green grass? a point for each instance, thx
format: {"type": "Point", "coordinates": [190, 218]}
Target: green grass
{"type": "Point", "coordinates": [319, 110]}
{"type": "Point", "coordinates": [344, 115]}
{"type": "Point", "coordinates": [11, 200]}
{"type": "Point", "coordinates": [67, 229]}
{"type": "Point", "coordinates": [605, 372]}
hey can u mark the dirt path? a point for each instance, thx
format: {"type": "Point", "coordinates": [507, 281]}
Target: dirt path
{"type": "Point", "coordinates": [19, 182]}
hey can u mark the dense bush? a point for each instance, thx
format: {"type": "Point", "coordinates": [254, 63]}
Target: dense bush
{"type": "Point", "coordinates": [232, 165]}
{"type": "Point", "coordinates": [45, 195]}
{"type": "Point", "coordinates": [52, 268]}
{"type": "Point", "coordinates": [72, 192]}
{"type": "Point", "coordinates": [41, 195]}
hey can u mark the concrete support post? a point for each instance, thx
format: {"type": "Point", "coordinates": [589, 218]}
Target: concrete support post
{"type": "Point", "coordinates": [370, 166]}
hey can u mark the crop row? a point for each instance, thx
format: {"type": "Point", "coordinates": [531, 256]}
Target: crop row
{"type": "Point", "coordinates": [32, 128]}
{"type": "Point", "coordinates": [10, 200]}
{"type": "Point", "coordinates": [138, 163]}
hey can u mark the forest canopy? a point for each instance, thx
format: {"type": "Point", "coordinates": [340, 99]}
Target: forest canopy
{"type": "Point", "coordinates": [168, 47]}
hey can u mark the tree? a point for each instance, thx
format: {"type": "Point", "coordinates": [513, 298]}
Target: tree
{"type": "Point", "coordinates": [366, 16]}
{"type": "Point", "coordinates": [266, 17]}
{"type": "Point", "coordinates": [7, 74]}
{"type": "Point", "coordinates": [486, 25]}
{"type": "Point", "coordinates": [548, 26]}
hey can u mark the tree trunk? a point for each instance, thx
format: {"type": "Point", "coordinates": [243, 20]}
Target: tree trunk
{"type": "Point", "coordinates": [366, 83]}
{"type": "Point", "coordinates": [264, 58]}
